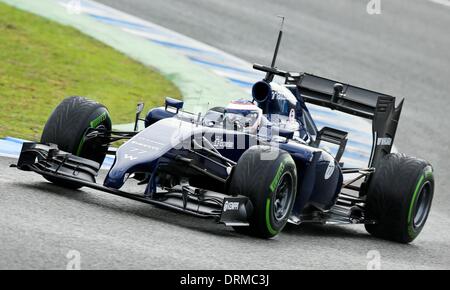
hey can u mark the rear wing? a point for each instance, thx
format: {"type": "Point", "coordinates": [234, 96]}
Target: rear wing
{"type": "Point", "coordinates": [378, 107]}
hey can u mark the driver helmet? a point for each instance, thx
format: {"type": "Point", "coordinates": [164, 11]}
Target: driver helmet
{"type": "Point", "coordinates": [244, 115]}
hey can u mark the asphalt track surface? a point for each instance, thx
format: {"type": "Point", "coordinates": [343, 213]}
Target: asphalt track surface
{"type": "Point", "coordinates": [403, 52]}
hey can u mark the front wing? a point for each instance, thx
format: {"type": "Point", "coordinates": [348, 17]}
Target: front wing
{"type": "Point", "coordinates": [50, 162]}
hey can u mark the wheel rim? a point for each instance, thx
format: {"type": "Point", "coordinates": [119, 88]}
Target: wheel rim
{"type": "Point", "coordinates": [423, 205]}
{"type": "Point", "coordinates": [282, 197]}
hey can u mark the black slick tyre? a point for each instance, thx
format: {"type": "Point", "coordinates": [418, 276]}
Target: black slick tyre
{"type": "Point", "coordinates": [268, 177]}
{"type": "Point", "coordinates": [67, 125]}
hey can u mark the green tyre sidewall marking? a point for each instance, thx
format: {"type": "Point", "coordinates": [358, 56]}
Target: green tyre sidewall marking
{"type": "Point", "coordinates": [93, 124]}
{"type": "Point", "coordinates": [268, 219]}
{"type": "Point", "coordinates": [80, 146]}
{"type": "Point", "coordinates": [428, 173]}
{"type": "Point", "coordinates": [272, 188]}
{"type": "Point", "coordinates": [277, 177]}
{"type": "Point", "coordinates": [97, 121]}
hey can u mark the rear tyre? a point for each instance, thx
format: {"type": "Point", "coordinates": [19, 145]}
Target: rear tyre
{"type": "Point", "coordinates": [271, 186]}
{"type": "Point", "coordinates": [399, 198]}
{"type": "Point", "coordinates": [67, 126]}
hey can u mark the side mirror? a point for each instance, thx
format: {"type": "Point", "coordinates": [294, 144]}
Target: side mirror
{"type": "Point", "coordinates": [139, 109]}
{"type": "Point", "coordinates": [174, 103]}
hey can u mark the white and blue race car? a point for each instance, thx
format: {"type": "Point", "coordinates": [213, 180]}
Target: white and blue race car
{"type": "Point", "coordinates": [254, 165]}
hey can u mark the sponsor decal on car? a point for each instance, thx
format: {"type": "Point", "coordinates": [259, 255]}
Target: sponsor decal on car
{"type": "Point", "coordinates": [330, 170]}
{"type": "Point", "coordinates": [219, 143]}
{"type": "Point", "coordinates": [230, 205]}
{"type": "Point", "coordinates": [384, 141]}
{"type": "Point", "coordinates": [147, 146]}
{"type": "Point", "coordinates": [277, 177]}
{"type": "Point", "coordinates": [97, 121]}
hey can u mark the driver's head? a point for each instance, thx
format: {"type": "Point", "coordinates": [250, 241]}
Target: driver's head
{"type": "Point", "coordinates": [244, 115]}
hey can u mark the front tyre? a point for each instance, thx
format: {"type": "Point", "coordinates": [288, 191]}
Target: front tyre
{"type": "Point", "coordinates": [268, 177]}
{"type": "Point", "coordinates": [399, 198]}
{"type": "Point", "coordinates": [67, 126]}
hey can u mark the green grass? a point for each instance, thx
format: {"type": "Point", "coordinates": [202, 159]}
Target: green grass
{"type": "Point", "coordinates": [42, 62]}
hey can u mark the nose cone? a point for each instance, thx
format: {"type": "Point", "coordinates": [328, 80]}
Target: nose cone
{"type": "Point", "coordinates": [142, 151]}
{"type": "Point", "coordinates": [115, 178]}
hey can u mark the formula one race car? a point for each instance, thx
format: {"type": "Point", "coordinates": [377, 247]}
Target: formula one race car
{"type": "Point", "coordinates": [253, 165]}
